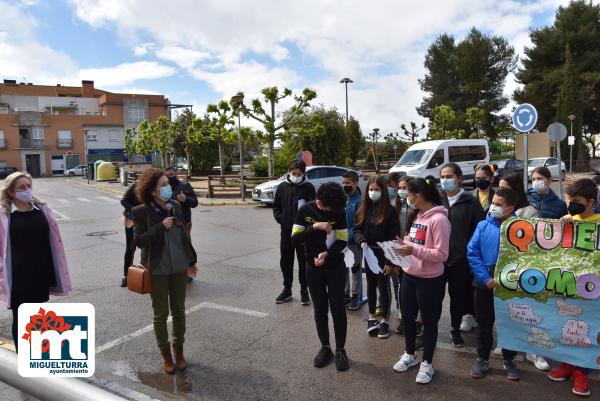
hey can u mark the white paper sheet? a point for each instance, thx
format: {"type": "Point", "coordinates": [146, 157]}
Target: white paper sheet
{"type": "Point", "coordinates": [388, 250]}
{"type": "Point", "coordinates": [330, 239]}
{"type": "Point", "coordinates": [349, 257]}
{"type": "Point", "coordinates": [301, 202]}
{"type": "Point", "coordinates": [371, 259]}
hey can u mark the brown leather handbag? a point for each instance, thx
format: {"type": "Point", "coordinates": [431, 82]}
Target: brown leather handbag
{"type": "Point", "coordinates": [139, 277]}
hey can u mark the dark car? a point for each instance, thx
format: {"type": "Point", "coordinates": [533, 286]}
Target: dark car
{"type": "Point", "coordinates": [6, 171]}
{"type": "Point", "coordinates": [507, 166]}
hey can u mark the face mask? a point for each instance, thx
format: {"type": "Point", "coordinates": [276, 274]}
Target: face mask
{"type": "Point", "coordinates": [296, 179]}
{"type": "Point", "coordinates": [497, 211]}
{"type": "Point", "coordinates": [348, 189]}
{"type": "Point", "coordinates": [483, 183]}
{"type": "Point", "coordinates": [540, 187]}
{"type": "Point", "coordinates": [410, 203]}
{"type": "Point", "coordinates": [374, 195]}
{"type": "Point", "coordinates": [392, 193]}
{"type": "Point", "coordinates": [25, 196]}
{"type": "Point", "coordinates": [574, 208]}
{"type": "Point", "coordinates": [448, 184]}
{"type": "Point", "coordinates": [173, 180]}
{"type": "Point", "coordinates": [403, 194]}
{"type": "Point", "coordinates": [165, 193]}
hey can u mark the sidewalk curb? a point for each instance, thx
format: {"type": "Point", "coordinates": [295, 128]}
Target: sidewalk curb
{"type": "Point", "coordinates": [91, 186]}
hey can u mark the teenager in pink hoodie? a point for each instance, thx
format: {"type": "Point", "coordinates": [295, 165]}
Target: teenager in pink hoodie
{"type": "Point", "coordinates": [423, 283]}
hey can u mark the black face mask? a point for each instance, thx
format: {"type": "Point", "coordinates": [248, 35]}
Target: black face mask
{"type": "Point", "coordinates": [348, 189]}
{"type": "Point", "coordinates": [575, 208]}
{"type": "Point", "coordinates": [173, 181]}
{"type": "Point", "coordinates": [482, 183]}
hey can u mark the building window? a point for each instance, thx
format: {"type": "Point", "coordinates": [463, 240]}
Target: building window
{"type": "Point", "coordinates": [37, 136]}
{"type": "Point", "coordinates": [2, 141]}
{"type": "Point", "coordinates": [115, 136]}
{"type": "Point", "coordinates": [136, 115]}
{"type": "Point", "coordinates": [64, 139]}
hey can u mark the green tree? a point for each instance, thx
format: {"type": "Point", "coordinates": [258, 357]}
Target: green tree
{"type": "Point", "coordinates": [355, 140]}
{"type": "Point", "coordinates": [272, 97]}
{"type": "Point", "coordinates": [442, 119]}
{"type": "Point", "coordinates": [569, 100]}
{"type": "Point", "coordinates": [222, 115]}
{"type": "Point", "coordinates": [157, 137]}
{"type": "Point", "coordinates": [475, 117]}
{"type": "Point", "coordinates": [406, 136]}
{"type": "Point", "coordinates": [187, 137]}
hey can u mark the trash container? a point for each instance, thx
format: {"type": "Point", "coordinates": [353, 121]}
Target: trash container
{"type": "Point", "coordinates": [90, 171]}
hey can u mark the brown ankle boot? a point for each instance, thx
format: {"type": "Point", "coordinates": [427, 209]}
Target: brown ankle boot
{"type": "Point", "coordinates": [167, 360]}
{"type": "Point", "coordinates": [179, 359]}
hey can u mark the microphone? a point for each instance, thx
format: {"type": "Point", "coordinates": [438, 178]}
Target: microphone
{"type": "Point", "coordinates": [169, 208]}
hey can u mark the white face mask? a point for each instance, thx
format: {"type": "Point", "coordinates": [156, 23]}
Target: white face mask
{"type": "Point", "coordinates": [540, 187]}
{"type": "Point", "coordinates": [410, 203]}
{"type": "Point", "coordinates": [374, 195]}
{"type": "Point", "coordinates": [403, 193]}
{"type": "Point", "coordinates": [296, 179]}
{"type": "Point", "coordinates": [497, 211]}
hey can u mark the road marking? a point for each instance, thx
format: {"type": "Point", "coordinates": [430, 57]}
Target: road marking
{"type": "Point", "coordinates": [83, 200]}
{"type": "Point", "coordinates": [203, 305]}
{"type": "Point", "coordinates": [64, 201]}
{"type": "Point", "coordinates": [119, 389]}
{"type": "Point", "coordinates": [61, 216]}
{"type": "Point", "coordinates": [107, 199]}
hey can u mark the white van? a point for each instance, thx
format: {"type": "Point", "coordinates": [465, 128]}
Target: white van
{"type": "Point", "coordinates": [425, 159]}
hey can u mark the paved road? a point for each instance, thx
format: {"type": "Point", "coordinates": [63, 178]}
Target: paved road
{"type": "Point", "coordinates": [240, 344]}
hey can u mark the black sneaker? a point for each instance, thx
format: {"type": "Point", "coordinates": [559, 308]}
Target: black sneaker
{"type": "Point", "coordinates": [323, 357]}
{"type": "Point", "coordinates": [419, 329]}
{"type": "Point", "coordinates": [400, 328]}
{"type": "Point", "coordinates": [285, 296]}
{"type": "Point", "coordinates": [347, 299]}
{"type": "Point", "coordinates": [304, 298]}
{"type": "Point", "coordinates": [457, 340]}
{"type": "Point", "coordinates": [372, 327]}
{"type": "Point", "coordinates": [341, 360]}
{"type": "Point", "coordinates": [124, 282]}
{"type": "Point", "coordinates": [354, 303]}
{"type": "Point", "coordinates": [418, 343]}
{"type": "Point", "coordinates": [384, 330]}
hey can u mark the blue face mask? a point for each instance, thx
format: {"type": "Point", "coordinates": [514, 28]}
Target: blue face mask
{"type": "Point", "coordinates": [392, 192]}
{"type": "Point", "coordinates": [165, 193]}
{"type": "Point", "coordinates": [448, 184]}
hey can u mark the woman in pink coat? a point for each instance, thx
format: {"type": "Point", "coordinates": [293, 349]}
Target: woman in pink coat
{"type": "Point", "coordinates": [32, 257]}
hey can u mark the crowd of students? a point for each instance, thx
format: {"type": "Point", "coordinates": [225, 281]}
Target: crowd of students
{"type": "Point", "coordinates": [452, 237]}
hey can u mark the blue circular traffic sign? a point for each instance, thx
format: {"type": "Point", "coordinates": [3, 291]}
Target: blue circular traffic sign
{"type": "Point", "coordinates": [525, 117]}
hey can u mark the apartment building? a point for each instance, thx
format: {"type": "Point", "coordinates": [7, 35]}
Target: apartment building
{"type": "Point", "coordinates": [47, 129]}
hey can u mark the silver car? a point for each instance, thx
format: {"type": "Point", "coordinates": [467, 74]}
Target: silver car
{"type": "Point", "coordinates": [317, 175]}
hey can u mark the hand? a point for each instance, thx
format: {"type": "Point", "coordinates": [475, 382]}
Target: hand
{"type": "Point", "coordinates": [364, 245]}
{"type": "Point", "coordinates": [387, 269]}
{"type": "Point", "coordinates": [192, 271]}
{"type": "Point", "coordinates": [398, 240]}
{"type": "Point", "coordinates": [405, 250]}
{"type": "Point", "coordinates": [491, 284]}
{"type": "Point", "coordinates": [323, 225]}
{"type": "Point", "coordinates": [320, 260]}
{"type": "Point", "coordinates": [181, 197]}
{"type": "Point", "coordinates": [168, 222]}
{"type": "Point", "coordinates": [567, 219]}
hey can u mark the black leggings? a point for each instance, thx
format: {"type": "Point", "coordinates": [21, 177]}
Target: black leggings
{"type": "Point", "coordinates": [485, 316]}
{"type": "Point", "coordinates": [426, 295]}
{"type": "Point", "coordinates": [460, 289]}
{"type": "Point", "coordinates": [326, 287]}
{"type": "Point", "coordinates": [128, 259]}
{"type": "Point", "coordinates": [375, 282]}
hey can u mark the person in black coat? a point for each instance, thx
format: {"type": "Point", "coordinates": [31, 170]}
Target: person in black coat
{"type": "Point", "coordinates": [291, 195]}
{"type": "Point", "coordinates": [128, 201]}
{"type": "Point", "coordinates": [464, 213]}
{"type": "Point", "coordinates": [185, 195]}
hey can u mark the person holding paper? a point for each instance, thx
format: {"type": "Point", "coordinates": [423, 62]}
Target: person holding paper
{"type": "Point", "coordinates": [290, 196]}
{"type": "Point", "coordinates": [423, 283]}
{"type": "Point", "coordinates": [354, 284]}
{"type": "Point", "coordinates": [376, 221]}
{"type": "Point", "coordinates": [320, 228]}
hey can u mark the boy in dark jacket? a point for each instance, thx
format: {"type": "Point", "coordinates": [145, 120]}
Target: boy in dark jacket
{"type": "Point", "coordinates": [185, 195]}
{"type": "Point", "coordinates": [128, 201]}
{"type": "Point", "coordinates": [320, 227]}
{"type": "Point", "coordinates": [290, 196]}
{"type": "Point", "coordinates": [354, 285]}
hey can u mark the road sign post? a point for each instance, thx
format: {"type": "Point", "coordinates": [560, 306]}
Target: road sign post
{"type": "Point", "coordinates": [525, 118]}
{"type": "Point", "coordinates": [557, 132]}
{"type": "Point", "coordinates": [571, 142]}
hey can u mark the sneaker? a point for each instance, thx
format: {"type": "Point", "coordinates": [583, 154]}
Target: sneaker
{"type": "Point", "coordinates": [468, 323]}
{"type": "Point", "coordinates": [419, 344]}
{"type": "Point", "coordinates": [480, 369]}
{"type": "Point", "coordinates": [347, 299]}
{"type": "Point", "coordinates": [456, 338]}
{"type": "Point", "coordinates": [304, 298]}
{"type": "Point", "coordinates": [580, 383]}
{"type": "Point", "coordinates": [564, 372]}
{"type": "Point", "coordinates": [512, 372]}
{"type": "Point", "coordinates": [379, 311]}
{"type": "Point", "coordinates": [400, 328]}
{"type": "Point", "coordinates": [285, 296]}
{"type": "Point", "coordinates": [539, 362]}
{"type": "Point", "coordinates": [372, 327]}
{"type": "Point", "coordinates": [406, 361]}
{"type": "Point", "coordinates": [189, 279]}
{"type": "Point", "coordinates": [425, 373]}
{"type": "Point", "coordinates": [384, 330]}
{"type": "Point", "coordinates": [497, 351]}
{"type": "Point", "coordinates": [354, 303]}
{"type": "Point", "coordinates": [124, 282]}
{"type": "Point", "coordinates": [419, 329]}
{"type": "Point", "coordinates": [323, 357]}
{"type": "Point", "coordinates": [341, 360]}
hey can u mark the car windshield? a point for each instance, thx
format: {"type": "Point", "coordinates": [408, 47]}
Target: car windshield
{"type": "Point", "coordinates": [501, 163]}
{"type": "Point", "coordinates": [413, 157]}
{"type": "Point", "coordinates": [536, 162]}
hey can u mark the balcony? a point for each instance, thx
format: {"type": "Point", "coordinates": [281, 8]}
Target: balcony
{"type": "Point", "coordinates": [64, 143]}
{"type": "Point", "coordinates": [28, 143]}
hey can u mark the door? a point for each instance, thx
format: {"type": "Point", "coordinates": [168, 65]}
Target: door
{"type": "Point", "coordinates": [32, 163]}
{"type": "Point", "coordinates": [57, 164]}
{"type": "Point", "coordinates": [435, 165]}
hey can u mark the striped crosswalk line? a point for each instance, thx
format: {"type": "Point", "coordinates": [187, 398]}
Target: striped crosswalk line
{"type": "Point", "coordinates": [83, 200]}
{"type": "Point", "coordinates": [107, 199]}
{"type": "Point", "coordinates": [64, 201]}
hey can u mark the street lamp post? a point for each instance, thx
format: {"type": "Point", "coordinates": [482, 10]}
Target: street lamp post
{"type": "Point", "coordinates": [571, 118]}
{"type": "Point", "coordinates": [346, 81]}
{"type": "Point", "coordinates": [375, 135]}
{"type": "Point", "coordinates": [239, 100]}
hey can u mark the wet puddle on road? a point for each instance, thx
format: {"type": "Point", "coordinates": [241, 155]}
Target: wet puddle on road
{"type": "Point", "coordinates": [174, 384]}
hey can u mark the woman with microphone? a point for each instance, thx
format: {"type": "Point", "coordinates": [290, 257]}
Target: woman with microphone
{"type": "Point", "coordinates": [168, 252]}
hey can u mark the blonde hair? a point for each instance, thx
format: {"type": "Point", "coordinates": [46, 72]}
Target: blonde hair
{"type": "Point", "coordinates": [9, 186]}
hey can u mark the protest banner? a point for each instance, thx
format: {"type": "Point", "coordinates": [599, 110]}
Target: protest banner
{"type": "Point", "coordinates": [547, 296]}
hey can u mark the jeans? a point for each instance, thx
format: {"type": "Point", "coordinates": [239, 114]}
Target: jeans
{"type": "Point", "coordinates": [287, 249]}
{"type": "Point", "coordinates": [485, 316]}
{"type": "Point", "coordinates": [169, 291]}
{"type": "Point", "coordinates": [354, 279]}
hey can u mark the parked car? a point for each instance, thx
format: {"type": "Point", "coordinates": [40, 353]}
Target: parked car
{"type": "Point", "coordinates": [6, 171]}
{"type": "Point", "coordinates": [425, 159]}
{"type": "Point", "coordinates": [551, 163]}
{"type": "Point", "coordinates": [507, 166]}
{"type": "Point", "coordinates": [79, 170]}
{"type": "Point", "coordinates": [317, 175]}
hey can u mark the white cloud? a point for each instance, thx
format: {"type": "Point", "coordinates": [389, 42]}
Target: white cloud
{"type": "Point", "coordinates": [126, 73]}
{"type": "Point", "coordinates": [185, 58]}
{"type": "Point", "coordinates": [143, 48]}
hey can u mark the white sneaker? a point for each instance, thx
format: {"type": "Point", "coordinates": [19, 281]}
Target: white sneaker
{"type": "Point", "coordinates": [425, 373]}
{"type": "Point", "coordinates": [497, 351]}
{"type": "Point", "coordinates": [468, 323]}
{"type": "Point", "coordinates": [406, 361]}
{"type": "Point", "coordinates": [538, 361]}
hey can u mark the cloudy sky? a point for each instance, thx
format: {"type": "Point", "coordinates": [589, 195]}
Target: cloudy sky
{"type": "Point", "coordinates": [199, 51]}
